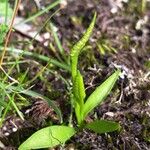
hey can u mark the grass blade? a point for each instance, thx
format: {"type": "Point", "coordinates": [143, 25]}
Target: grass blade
{"type": "Point", "coordinates": [41, 12]}
{"type": "Point", "coordinates": [58, 43]}
{"type": "Point", "coordinates": [40, 57]}
{"type": "Point", "coordinates": [35, 95]}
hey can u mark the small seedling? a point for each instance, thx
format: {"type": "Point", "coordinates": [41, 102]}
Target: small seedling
{"type": "Point", "coordinates": [59, 134]}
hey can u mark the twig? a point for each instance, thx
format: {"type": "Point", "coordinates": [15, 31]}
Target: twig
{"type": "Point", "coordinates": [9, 32]}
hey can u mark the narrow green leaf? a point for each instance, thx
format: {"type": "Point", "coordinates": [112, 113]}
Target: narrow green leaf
{"type": "Point", "coordinates": [58, 43]}
{"type": "Point", "coordinates": [103, 126]}
{"type": "Point", "coordinates": [45, 10]}
{"type": "Point", "coordinates": [48, 137]}
{"type": "Point", "coordinates": [100, 93]}
{"type": "Point", "coordinates": [101, 49]}
{"type": "Point", "coordinates": [37, 56]}
{"type": "Point", "coordinates": [75, 51]}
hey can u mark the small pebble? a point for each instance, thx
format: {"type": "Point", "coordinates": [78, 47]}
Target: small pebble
{"type": "Point", "coordinates": [4, 128]}
{"type": "Point", "coordinates": [14, 129]}
{"type": "Point", "coordinates": [6, 134]}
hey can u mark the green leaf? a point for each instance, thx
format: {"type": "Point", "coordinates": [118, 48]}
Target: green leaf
{"type": "Point", "coordinates": [48, 137]}
{"type": "Point", "coordinates": [100, 93]}
{"type": "Point", "coordinates": [103, 126]}
{"type": "Point", "coordinates": [79, 96]}
{"type": "Point", "coordinates": [79, 89]}
{"type": "Point", "coordinates": [75, 51]}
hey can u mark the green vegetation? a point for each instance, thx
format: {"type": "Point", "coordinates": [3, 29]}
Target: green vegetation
{"type": "Point", "coordinates": [52, 94]}
{"type": "Point", "coordinates": [56, 135]}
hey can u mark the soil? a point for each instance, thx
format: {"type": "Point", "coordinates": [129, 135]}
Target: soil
{"type": "Point", "coordinates": [128, 42]}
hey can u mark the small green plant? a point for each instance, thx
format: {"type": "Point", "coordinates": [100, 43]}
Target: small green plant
{"type": "Point", "coordinates": [59, 134]}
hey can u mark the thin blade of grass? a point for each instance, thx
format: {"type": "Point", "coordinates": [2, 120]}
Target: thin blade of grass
{"type": "Point", "coordinates": [13, 62]}
{"type": "Point", "coordinates": [58, 43]}
{"type": "Point", "coordinates": [11, 99]}
{"type": "Point", "coordinates": [6, 11]}
{"type": "Point", "coordinates": [40, 57]}
{"type": "Point", "coordinates": [45, 23]}
{"type": "Point", "coordinates": [34, 95]}
{"type": "Point", "coordinates": [41, 12]}
{"type": "Point", "coordinates": [5, 112]}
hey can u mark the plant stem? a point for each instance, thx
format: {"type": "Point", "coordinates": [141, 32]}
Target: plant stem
{"type": "Point", "coordinates": [9, 32]}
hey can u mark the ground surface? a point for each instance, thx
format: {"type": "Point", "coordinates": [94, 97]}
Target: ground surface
{"type": "Point", "coordinates": [123, 31]}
